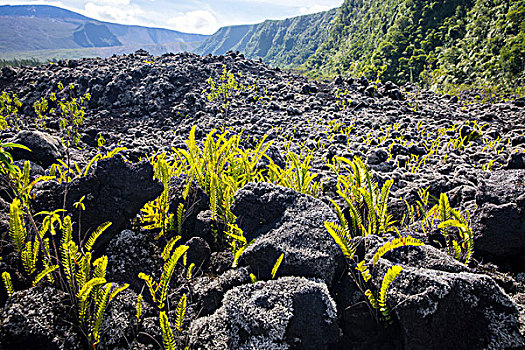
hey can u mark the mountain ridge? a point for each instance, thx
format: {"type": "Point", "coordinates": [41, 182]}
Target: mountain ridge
{"type": "Point", "coordinates": [28, 28]}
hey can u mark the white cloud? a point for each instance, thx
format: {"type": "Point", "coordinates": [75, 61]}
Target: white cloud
{"type": "Point", "coordinates": [200, 21]}
{"type": "Point", "coordinates": [120, 11]}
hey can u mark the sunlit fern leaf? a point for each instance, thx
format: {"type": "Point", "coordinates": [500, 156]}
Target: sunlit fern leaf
{"type": "Point", "coordinates": [189, 273]}
{"type": "Point", "coordinates": [167, 334]}
{"type": "Point", "coordinates": [167, 273]}
{"type": "Point", "coordinates": [457, 250]}
{"type": "Point", "coordinates": [95, 235]}
{"type": "Point", "coordinates": [394, 244]}
{"type": "Point", "coordinates": [102, 299]}
{"type": "Point", "coordinates": [253, 278]}
{"type": "Point", "coordinates": [83, 272]}
{"type": "Point", "coordinates": [83, 298]}
{"type": "Point", "coordinates": [277, 265]}
{"type": "Point", "coordinates": [116, 291]}
{"type": "Point", "coordinates": [180, 217]}
{"type": "Point", "coordinates": [342, 238]}
{"type": "Point", "coordinates": [180, 312]}
{"type": "Point", "coordinates": [90, 164]}
{"type": "Point", "coordinates": [152, 286]}
{"type": "Point", "coordinates": [389, 277]}
{"type": "Point", "coordinates": [8, 284]}
{"type": "Point", "coordinates": [340, 215]}
{"type": "Point", "coordinates": [166, 252]}
{"type": "Point", "coordinates": [363, 269]}
{"type": "Point", "coordinates": [17, 229]}
{"type": "Point", "coordinates": [239, 253]}
{"type": "Point", "coordinates": [371, 299]}
{"type": "Point", "coordinates": [138, 308]}
{"type": "Point", "coordinates": [44, 273]}
{"type": "Point", "coordinates": [100, 265]}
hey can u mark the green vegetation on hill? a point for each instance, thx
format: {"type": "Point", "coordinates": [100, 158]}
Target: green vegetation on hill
{"type": "Point", "coordinates": [446, 42]}
{"type": "Point", "coordinates": [285, 43]}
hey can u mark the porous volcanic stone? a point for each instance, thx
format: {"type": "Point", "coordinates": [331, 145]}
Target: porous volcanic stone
{"type": "Point", "coordinates": [290, 312]}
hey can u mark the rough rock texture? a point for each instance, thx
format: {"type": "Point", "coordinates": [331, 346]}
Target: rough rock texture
{"type": "Point", "coordinates": [39, 318]}
{"type": "Point", "coordinates": [282, 220]}
{"type": "Point", "coordinates": [115, 191]}
{"type": "Point", "coordinates": [500, 222]}
{"type": "Point", "coordinates": [290, 312]}
{"type": "Point", "coordinates": [45, 148]}
{"type": "Point", "coordinates": [431, 297]}
{"type": "Point", "coordinates": [130, 253]}
{"type": "Point", "coordinates": [209, 291]}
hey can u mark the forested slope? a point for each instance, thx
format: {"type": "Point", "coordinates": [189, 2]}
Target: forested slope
{"type": "Point", "coordinates": [451, 41]}
{"type": "Point", "coordinates": [286, 43]}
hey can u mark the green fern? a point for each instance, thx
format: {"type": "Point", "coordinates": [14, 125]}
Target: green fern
{"type": "Point", "coordinates": [342, 238]}
{"type": "Point", "coordinates": [8, 284]}
{"type": "Point", "coordinates": [95, 235]}
{"type": "Point", "coordinates": [389, 277]}
{"type": "Point", "coordinates": [17, 229]}
{"type": "Point", "coordinates": [47, 271]}
{"type": "Point", "coordinates": [138, 308]}
{"type": "Point", "coordinates": [180, 312]}
{"type": "Point", "coordinates": [394, 244]}
{"type": "Point", "coordinates": [277, 265]}
{"type": "Point", "coordinates": [167, 334]}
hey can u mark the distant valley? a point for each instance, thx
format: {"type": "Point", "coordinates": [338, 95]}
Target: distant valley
{"type": "Point", "coordinates": [43, 32]}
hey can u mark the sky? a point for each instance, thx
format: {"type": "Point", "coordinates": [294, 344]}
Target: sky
{"type": "Point", "coordinates": [191, 16]}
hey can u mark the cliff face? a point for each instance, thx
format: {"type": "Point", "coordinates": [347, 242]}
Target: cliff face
{"type": "Point", "coordinates": [286, 43]}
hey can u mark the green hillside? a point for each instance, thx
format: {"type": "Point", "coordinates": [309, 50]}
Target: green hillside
{"type": "Point", "coordinates": [285, 43]}
{"type": "Point", "coordinates": [450, 41]}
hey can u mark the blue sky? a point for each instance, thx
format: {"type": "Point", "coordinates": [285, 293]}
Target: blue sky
{"type": "Point", "coordinates": [193, 16]}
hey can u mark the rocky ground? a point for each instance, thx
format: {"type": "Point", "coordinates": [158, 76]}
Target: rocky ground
{"type": "Point", "coordinates": [475, 153]}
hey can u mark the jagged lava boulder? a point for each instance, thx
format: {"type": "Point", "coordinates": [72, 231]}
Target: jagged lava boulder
{"type": "Point", "coordinates": [39, 319]}
{"type": "Point", "coordinates": [290, 312]}
{"type": "Point", "coordinates": [441, 304]}
{"type": "Point", "coordinates": [282, 220]}
{"type": "Point", "coordinates": [115, 191]}
{"type": "Point", "coordinates": [499, 224]}
{"type": "Point", "coordinates": [45, 148]}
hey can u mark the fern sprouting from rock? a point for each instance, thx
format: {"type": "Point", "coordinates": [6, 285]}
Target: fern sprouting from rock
{"type": "Point", "coordinates": [389, 277]}
{"type": "Point", "coordinates": [159, 290]}
{"type": "Point", "coordinates": [367, 203]}
{"type": "Point", "coordinates": [180, 312]}
{"type": "Point", "coordinates": [277, 265]}
{"type": "Point", "coordinates": [394, 244]}
{"type": "Point", "coordinates": [342, 238]}
{"type": "Point", "coordinates": [8, 283]}
{"type": "Point", "coordinates": [168, 339]}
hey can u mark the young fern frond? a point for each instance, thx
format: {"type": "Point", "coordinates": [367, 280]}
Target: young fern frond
{"type": "Point", "coordinates": [167, 334]}
{"type": "Point", "coordinates": [276, 265]}
{"type": "Point", "coordinates": [239, 252]}
{"type": "Point", "coordinates": [83, 298]}
{"type": "Point", "coordinates": [180, 312]}
{"type": "Point", "coordinates": [100, 265]}
{"type": "Point", "coordinates": [389, 277]}
{"type": "Point", "coordinates": [101, 304]}
{"type": "Point", "coordinates": [17, 229]}
{"type": "Point", "coordinates": [371, 299]}
{"type": "Point", "coordinates": [8, 284]}
{"type": "Point", "coordinates": [342, 238]}
{"type": "Point", "coordinates": [167, 273]}
{"type": "Point", "coordinates": [166, 252]}
{"type": "Point", "coordinates": [138, 308]}
{"type": "Point", "coordinates": [94, 236]}
{"type": "Point", "coordinates": [152, 285]}
{"type": "Point", "coordinates": [365, 272]}
{"type": "Point", "coordinates": [189, 273]}
{"type": "Point", "coordinates": [180, 217]}
{"type": "Point", "coordinates": [44, 273]}
{"type": "Point", "coordinates": [394, 244]}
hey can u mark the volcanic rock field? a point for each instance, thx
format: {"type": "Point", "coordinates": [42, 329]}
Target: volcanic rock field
{"type": "Point", "coordinates": [258, 265]}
